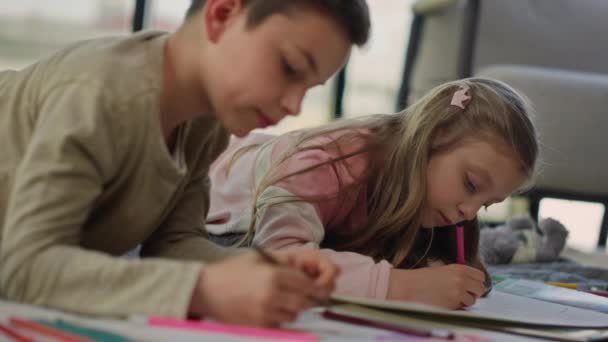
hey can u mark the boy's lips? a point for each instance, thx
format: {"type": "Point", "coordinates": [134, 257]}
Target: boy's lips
{"type": "Point", "coordinates": [263, 120]}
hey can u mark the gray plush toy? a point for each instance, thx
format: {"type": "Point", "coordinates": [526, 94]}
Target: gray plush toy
{"type": "Point", "coordinates": [519, 241]}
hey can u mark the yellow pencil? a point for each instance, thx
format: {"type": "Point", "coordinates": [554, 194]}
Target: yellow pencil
{"type": "Point", "coordinates": [566, 285]}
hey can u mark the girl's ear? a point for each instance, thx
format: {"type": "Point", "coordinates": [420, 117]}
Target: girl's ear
{"type": "Point", "coordinates": [218, 15]}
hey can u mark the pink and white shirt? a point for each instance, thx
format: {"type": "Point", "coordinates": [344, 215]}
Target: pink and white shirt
{"type": "Point", "coordinates": [298, 224]}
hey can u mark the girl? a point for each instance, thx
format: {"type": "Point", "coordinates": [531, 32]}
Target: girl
{"type": "Point", "coordinates": [379, 194]}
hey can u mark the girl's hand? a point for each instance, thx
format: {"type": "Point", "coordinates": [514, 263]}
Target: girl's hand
{"type": "Point", "coordinates": [249, 290]}
{"type": "Point", "coordinates": [450, 286]}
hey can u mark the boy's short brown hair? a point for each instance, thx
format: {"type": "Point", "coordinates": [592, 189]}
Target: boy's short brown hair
{"type": "Point", "coordinates": [351, 15]}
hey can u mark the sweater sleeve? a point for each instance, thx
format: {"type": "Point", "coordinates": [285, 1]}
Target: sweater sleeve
{"type": "Point", "coordinates": [183, 235]}
{"type": "Point", "coordinates": [301, 224]}
{"type": "Point", "coordinates": [72, 153]}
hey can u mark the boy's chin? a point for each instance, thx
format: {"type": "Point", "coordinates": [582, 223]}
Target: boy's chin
{"type": "Point", "coordinates": [239, 131]}
{"type": "Point", "coordinates": [240, 134]}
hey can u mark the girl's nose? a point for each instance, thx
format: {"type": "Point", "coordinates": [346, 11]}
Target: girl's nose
{"type": "Point", "coordinates": [468, 210]}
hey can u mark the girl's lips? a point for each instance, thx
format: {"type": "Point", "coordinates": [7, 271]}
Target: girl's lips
{"type": "Point", "coordinates": [445, 219]}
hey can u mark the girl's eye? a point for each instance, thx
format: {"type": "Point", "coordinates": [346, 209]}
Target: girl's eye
{"type": "Point", "coordinates": [469, 185]}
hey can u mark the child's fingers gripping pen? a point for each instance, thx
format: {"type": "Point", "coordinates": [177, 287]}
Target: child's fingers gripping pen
{"type": "Point", "coordinates": [460, 255]}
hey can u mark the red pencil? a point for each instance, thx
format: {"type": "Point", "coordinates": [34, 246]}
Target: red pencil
{"type": "Point", "coordinates": [46, 331]}
{"type": "Point", "coordinates": [14, 334]}
{"type": "Point", "coordinates": [598, 293]}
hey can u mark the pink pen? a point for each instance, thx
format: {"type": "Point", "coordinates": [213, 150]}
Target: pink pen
{"type": "Point", "coordinates": [460, 244]}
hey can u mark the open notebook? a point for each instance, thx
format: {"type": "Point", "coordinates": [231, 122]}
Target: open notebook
{"type": "Point", "coordinates": [492, 330]}
{"type": "Point", "coordinates": [498, 307]}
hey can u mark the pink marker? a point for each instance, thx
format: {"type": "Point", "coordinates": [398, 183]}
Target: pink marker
{"type": "Point", "coordinates": [460, 244]}
{"type": "Point", "coordinates": [228, 329]}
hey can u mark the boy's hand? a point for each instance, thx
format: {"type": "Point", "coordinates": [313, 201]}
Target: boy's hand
{"type": "Point", "coordinates": [451, 286]}
{"type": "Point", "coordinates": [247, 289]}
{"type": "Point", "coordinates": [315, 265]}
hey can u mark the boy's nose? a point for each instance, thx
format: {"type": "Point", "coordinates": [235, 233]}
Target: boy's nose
{"type": "Point", "coordinates": [291, 102]}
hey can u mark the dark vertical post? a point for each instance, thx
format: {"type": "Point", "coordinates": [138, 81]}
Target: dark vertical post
{"type": "Point", "coordinates": [139, 15]}
{"type": "Point", "coordinates": [339, 89]}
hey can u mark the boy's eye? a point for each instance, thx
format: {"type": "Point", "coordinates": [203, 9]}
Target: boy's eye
{"type": "Point", "coordinates": [288, 69]}
{"type": "Point", "coordinates": [469, 185]}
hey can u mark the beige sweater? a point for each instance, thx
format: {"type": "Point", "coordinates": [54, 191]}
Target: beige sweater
{"type": "Point", "coordinates": [85, 176]}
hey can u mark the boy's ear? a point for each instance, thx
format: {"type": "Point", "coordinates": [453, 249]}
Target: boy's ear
{"type": "Point", "coordinates": [218, 14]}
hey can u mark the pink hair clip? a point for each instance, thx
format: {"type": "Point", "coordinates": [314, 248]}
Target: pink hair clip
{"type": "Point", "coordinates": [461, 97]}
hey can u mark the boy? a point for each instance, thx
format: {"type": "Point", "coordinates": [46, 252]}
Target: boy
{"type": "Point", "coordinates": [108, 143]}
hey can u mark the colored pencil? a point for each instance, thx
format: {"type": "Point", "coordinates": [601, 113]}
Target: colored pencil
{"type": "Point", "coordinates": [412, 331]}
{"type": "Point", "coordinates": [564, 285]}
{"type": "Point", "coordinates": [46, 331]}
{"type": "Point", "coordinates": [228, 329]}
{"type": "Point", "coordinates": [13, 334]}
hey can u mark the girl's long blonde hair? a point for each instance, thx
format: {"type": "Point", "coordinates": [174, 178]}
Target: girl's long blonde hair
{"type": "Point", "coordinates": [399, 147]}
